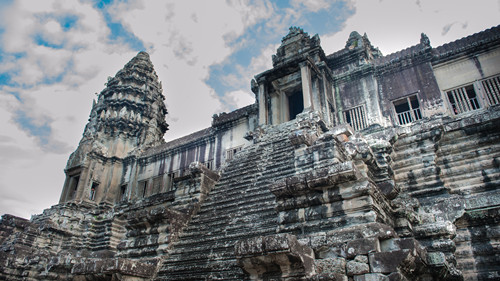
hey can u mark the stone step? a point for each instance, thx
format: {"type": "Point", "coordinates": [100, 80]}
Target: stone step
{"type": "Point", "coordinates": [457, 146]}
{"type": "Point", "coordinates": [220, 230]}
{"type": "Point", "coordinates": [215, 270]}
{"type": "Point", "coordinates": [209, 216]}
{"type": "Point", "coordinates": [236, 200]}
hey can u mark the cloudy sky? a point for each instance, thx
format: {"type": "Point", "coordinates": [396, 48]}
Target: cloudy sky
{"type": "Point", "coordinates": [55, 55]}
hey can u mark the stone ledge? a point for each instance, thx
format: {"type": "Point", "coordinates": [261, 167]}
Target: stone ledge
{"type": "Point", "coordinates": [279, 252]}
{"type": "Point", "coordinates": [110, 266]}
{"type": "Point", "coordinates": [301, 184]}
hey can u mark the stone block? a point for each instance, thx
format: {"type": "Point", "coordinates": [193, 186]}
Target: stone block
{"type": "Point", "coordinates": [356, 268]}
{"type": "Point", "coordinates": [107, 266]}
{"type": "Point", "coordinates": [265, 254]}
{"type": "Point", "coordinates": [439, 229]}
{"type": "Point", "coordinates": [361, 258]}
{"type": "Point", "coordinates": [362, 247]}
{"type": "Point", "coordinates": [396, 244]}
{"type": "Point", "coordinates": [334, 250]}
{"type": "Point", "coordinates": [330, 277]}
{"type": "Point", "coordinates": [436, 259]}
{"type": "Point", "coordinates": [396, 276]}
{"type": "Point", "coordinates": [279, 242]}
{"type": "Point", "coordinates": [389, 188]}
{"type": "Point", "coordinates": [343, 129]}
{"type": "Point", "coordinates": [331, 265]}
{"type": "Point", "coordinates": [369, 230]}
{"type": "Point", "coordinates": [371, 277]}
{"type": "Point", "coordinates": [249, 246]}
{"type": "Point", "coordinates": [388, 262]}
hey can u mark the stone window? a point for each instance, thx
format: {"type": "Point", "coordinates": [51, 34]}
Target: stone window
{"type": "Point", "coordinates": [123, 192]}
{"type": "Point", "coordinates": [209, 164]}
{"type": "Point", "coordinates": [232, 151]}
{"type": "Point", "coordinates": [170, 181]}
{"type": "Point", "coordinates": [463, 99]}
{"type": "Point", "coordinates": [332, 112]}
{"type": "Point", "coordinates": [407, 110]}
{"type": "Point", "coordinates": [491, 88]}
{"type": "Point", "coordinates": [157, 184]}
{"type": "Point", "coordinates": [93, 191]}
{"type": "Point", "coordinates": [356, 117]}
{"type": "Point", "coordinates": [73, 186]}
{"type": "Point", "coordinates": [143, 188]}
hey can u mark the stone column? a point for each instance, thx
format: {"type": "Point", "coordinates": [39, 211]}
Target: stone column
{"type": "Point", "coordinates": [305, 74]}
{"type": "Point", "coordinates": [67, 185]}
{"type": "Point", "coordinates": [275, 108]}
{"type": "Point", "coordinates": [285, 114]}
{"type": "Point", "coordinates": [315, 95]}
{"type": "Point", "coordinates": [327, 112]}
{"type": "Point", "coordinates": [262, 104]}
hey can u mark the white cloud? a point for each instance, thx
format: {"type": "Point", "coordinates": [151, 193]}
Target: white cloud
{"type": "Point", "coordinates": [393, 25]}
{"type": "Point", "coordinates": [59, 68]}
{"type": "Point", "coordinates": [238, 98]}
{"type": "Point", "coordinates": [311, 5]}
{"type": "Point", "coordinates": [30, 180]}
{"type": "Point", "coordinates": [56, 87]}
{"type": "Point", "coordinates": [243, 75]}
{"type": "Point", "coordinates": [184, 40]}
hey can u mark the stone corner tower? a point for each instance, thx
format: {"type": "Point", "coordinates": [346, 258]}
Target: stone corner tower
{"type": "Point", "coordinates": [128, 117]}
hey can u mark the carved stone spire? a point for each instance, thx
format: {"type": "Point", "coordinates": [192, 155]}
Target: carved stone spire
{"type": "Point", "coordinates": [295, 45]}
{"type": "Point", "coordinates": [362, 44]}
{"type": "Point", "coordinates": [129, 114]}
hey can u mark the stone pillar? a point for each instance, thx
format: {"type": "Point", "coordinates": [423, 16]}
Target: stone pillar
{"type": "Point", "coordinates": [327, 113]}
{"type": "Point", "coordinates": [275, 109]}
{"type": "Point", "coordinates": [67, 185]}
{"type": "Point", "coordinates": [315, 95]}
{"type": "Point", "coordinates": [262, 104]}
{"type": "Point", "coordinates": [285, 112]}
{"type": "Point", "coordinates": [305, 74]}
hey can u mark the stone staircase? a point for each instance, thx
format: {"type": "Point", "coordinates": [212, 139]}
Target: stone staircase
{"type": "Point", "coordinates": [240, 206]}
{"type": "Point", "coordinates": [471, 167]}
{"type": "Point", "coordinates": [453, 169]}
{"type": "Point", "coordinates": [415, 163]}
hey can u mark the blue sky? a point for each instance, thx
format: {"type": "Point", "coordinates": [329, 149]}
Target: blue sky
{"type": "Point", "coordinates": [55, 55]}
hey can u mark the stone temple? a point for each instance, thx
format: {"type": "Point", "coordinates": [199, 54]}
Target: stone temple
{"type": "Point", "coordinates": [348, 166]}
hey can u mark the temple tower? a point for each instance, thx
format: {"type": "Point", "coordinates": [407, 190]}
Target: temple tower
{"type": "Point", "coordinates": [299, 81]}
{"type": "Point", "coordinates": [128, 117]}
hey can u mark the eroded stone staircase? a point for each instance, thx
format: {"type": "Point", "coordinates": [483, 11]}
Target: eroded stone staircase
{"type": "Point", "coordinates": [453, 169]}
{"type": "Point", "coordinates": [240, 206]}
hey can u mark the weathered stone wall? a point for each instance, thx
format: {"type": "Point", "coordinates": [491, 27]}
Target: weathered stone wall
{"type": "Point", "coordinates": [416, 80]}
{"type": "Point", "coordinates": [451, 167]}
{"type": "Point", "coordinates": [417, 202]}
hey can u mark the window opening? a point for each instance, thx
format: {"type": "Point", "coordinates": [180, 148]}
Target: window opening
{"type": "Point", "coordinates": [295, 104]}
{"type": "Point", "coordinates": [157, 184]}
{"type": "Point", "coordinates": [407, 110]}
{"type": "Point", "coordinates": [209, 164]}
{"type": "Point", "coordinates": [74, 186]}
{"type": "Point", "coordinates": [93, 190]}
{"type": "Point", "coordinates": [143, 187]}
{"type": "Point", "coordinates": [463, 99]}
{"type": "Point", "coordinates": [76, 180]}
{"type": "Point", "coordinates": [356, 117]}
{"type": "Point", "coordinates": [171, 178]}
{"type": "Point", "coordinates": [232, 151]}
{"type": "Point", "coordinates": [332, 112]}
{"type": "Point", "coordinates": [123, 192]}
{"type": "Point", "coordinates": [491, 87]}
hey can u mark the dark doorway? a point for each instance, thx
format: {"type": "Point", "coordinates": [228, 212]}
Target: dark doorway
{"type": "Point", "coordinates": [295, 104]}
